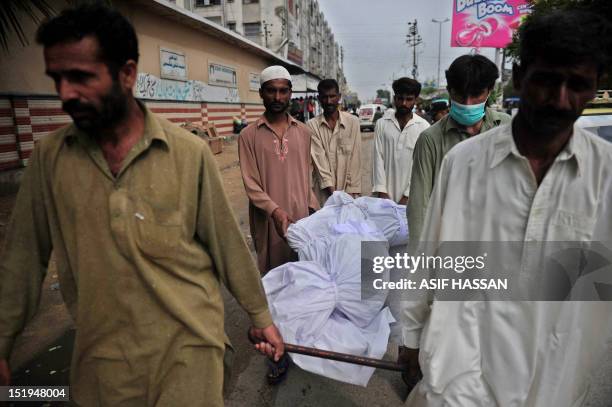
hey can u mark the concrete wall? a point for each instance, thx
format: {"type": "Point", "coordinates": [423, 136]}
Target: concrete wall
{"type": "Point", "coordinates": [25, 120]}
{"type": "Point", "coordinates": [30, 109]}
{"type": "Point", "coordinates": [22, 69]}
{"type": "Point", "coordinates": [155, 32]}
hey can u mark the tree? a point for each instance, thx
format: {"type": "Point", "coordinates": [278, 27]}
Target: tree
{"type": "Point", "coordinates": [11, 14]}
{"type": "Point", "coordinates": [539, 7]}
{"type": "Point", "coordinates": [428, 90]}
{"type": "Point", "coordinates": [383, 94]}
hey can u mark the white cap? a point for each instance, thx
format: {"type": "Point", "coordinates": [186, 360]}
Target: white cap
{"type": "Point", "coordinates": [274, 72]}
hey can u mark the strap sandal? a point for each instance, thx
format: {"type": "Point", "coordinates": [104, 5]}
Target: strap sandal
{"type": "Point", "coordinates": [277, 371]}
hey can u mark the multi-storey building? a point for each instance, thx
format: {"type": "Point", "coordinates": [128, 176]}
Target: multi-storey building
{"type": "Point", "coordinates": [294, 29]}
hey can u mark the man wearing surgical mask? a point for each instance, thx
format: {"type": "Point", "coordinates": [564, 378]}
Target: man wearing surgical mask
{"type": "Point", "coordinates": [470, 80]}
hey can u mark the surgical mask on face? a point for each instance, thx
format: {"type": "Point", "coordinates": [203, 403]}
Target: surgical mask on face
{"type": "Point", "coordinates": [466, 115]}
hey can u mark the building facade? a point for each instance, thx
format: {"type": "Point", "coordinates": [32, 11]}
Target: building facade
{"type": "Point", "coordinates": [190, 70]}
{"type": "Point", "coordinates": [294, 29]}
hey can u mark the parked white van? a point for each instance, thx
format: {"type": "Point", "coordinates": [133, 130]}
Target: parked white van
{"type": "Point", "coordinates": [366, 115]}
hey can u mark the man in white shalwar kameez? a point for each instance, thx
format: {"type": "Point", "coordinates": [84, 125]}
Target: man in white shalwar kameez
{"type": "Point", "coordinates": [537, 179]}
{"type": "Point", "coordinates": [395, 135]}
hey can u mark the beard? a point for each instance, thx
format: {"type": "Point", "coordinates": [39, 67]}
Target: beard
{"type": "Point", "coordinates": [403, 110]}
{"type": "Point", "coordinates": [330, 108]}
{"type": "Point", "coordinates": [276, 107]}
{"type": "Point", "coordinates": [547, 121]}
{"type": "Point", "coordinates": [91, 119]}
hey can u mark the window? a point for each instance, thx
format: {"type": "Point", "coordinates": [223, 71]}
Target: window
{"type": "Point", "coordinates": [205, 3]}
{"type": "Point", "coordinates": [252, 29]}
{"type": "Point", "coordinates": [215, 19]}
{"type": "Point", "coordinates": [231, 25]}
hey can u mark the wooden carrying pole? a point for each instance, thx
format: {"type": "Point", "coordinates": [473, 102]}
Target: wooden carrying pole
{"type": "Point", "coordinates": [342, 357]}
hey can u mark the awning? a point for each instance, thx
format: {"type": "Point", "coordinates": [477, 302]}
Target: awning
{"type": "Point", "coordinates": [304, 83]}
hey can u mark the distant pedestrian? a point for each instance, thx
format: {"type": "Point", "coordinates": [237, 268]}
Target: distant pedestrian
{"type": "Point", "coordinates": [336, 146]}
{"type": "Point", "coordinates": [301, 107]}
{"type": "Point", "coordinates": [395, 136]}
{"type": "Point", "coordinates": [294, 108]}
{"type": "Point", "coordinates": [377, 115]}
{"type": "Point", "coordinates": [439, 109]}
{"type": "Point", "coordinates": [310, 108]}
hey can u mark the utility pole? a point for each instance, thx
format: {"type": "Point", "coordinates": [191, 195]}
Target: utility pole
{"type": "Point", "coordinates": [439, 22]}
{"type": "Point", "coordinates": [223, 17]}
{"type": "Point", "coordinates": [413, 39]}
{"type": "Point", "coordinates": [266, 32]}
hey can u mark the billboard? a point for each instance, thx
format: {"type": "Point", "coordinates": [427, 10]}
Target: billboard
{"type": "Point", "coordinates": [486, 23]}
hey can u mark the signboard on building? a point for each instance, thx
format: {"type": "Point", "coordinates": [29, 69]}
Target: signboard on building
{"type": "Point", "coordinates": [486, 23]}
{"type": "Point", "coordinates": [294, 54]}
{"type": "Point", "coordinates": [172, 65]}
{"type": "Point", "coordinates": [254, 81]}
{"type": "Point", "coordinates": [221, 75]}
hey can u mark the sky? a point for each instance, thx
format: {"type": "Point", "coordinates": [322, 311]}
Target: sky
{"type": "Point", "coordinates": [373, 35]}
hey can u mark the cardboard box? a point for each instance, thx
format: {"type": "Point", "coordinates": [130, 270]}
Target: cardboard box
{"type": "Point", "coordinates": [206, 131]}
{"type": "Point", "coordinates": [216, 145]}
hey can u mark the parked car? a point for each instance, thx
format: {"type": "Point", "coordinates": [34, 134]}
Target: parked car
{"type": "Point", "coordinates": [597, 121]}
{"type": "Point", "coordinates": [366, 115]}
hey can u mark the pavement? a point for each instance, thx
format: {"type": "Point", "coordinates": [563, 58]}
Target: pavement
{"type": "Point", "coordinates": [42, 353]}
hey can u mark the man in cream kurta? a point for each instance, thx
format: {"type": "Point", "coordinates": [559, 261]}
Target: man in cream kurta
{"type": "Point", "coordinates": [491, 189]}
{"type": "Point", "coordinates": [396, 134]}
{"type": "Point", "coordinates": [336, 151]}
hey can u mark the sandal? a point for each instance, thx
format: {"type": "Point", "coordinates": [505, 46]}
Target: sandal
{"type": "Point", "coordinates": [277, 371]}
{"type": "Point", "coordinates": [411, 381]}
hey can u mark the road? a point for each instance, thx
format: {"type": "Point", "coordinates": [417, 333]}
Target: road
{"type": "Point", "coordinates": [49, 336]}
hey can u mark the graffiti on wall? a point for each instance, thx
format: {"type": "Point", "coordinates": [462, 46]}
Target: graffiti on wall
{"type": "Point", "coordinates": [151, 87]}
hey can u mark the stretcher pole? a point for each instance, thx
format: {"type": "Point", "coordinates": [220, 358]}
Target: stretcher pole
{"type": "Point", "coordinates": [341, 357]}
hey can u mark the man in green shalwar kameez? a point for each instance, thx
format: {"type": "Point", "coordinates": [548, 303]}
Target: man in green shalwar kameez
{"type": "Point", "coordinates": [143, 235]}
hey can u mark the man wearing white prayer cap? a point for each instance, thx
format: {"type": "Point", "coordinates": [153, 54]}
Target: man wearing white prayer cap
{"type": "Point", "coordinates": [275, 162]}
{"type": "Point", "coordinates": [275, 165]}
{"type": "Point", "coordinates": [274, 72]}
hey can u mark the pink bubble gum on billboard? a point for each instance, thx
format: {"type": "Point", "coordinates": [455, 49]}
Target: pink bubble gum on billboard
{"type": "Point", "coordinates": [486, 23]}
